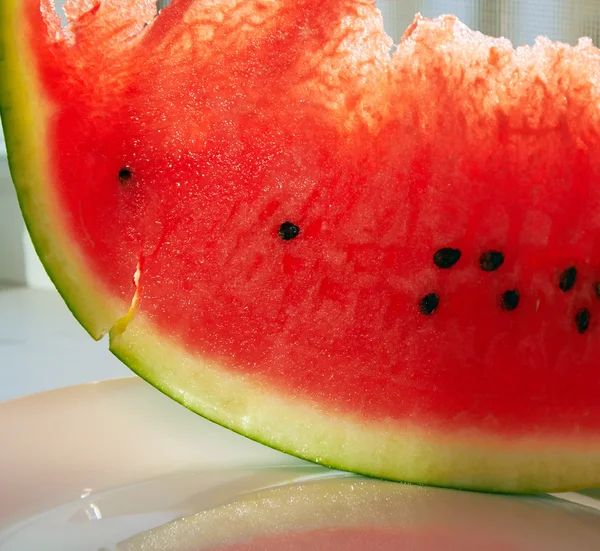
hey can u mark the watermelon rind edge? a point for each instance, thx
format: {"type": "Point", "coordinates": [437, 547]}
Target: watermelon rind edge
{"type": "Point", "coordinates": [24, 112]}
{"type": "Point", "coordinates": [464, 460]}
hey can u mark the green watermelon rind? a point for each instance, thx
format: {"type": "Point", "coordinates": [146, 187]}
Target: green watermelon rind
{"type": "Point", "coordinates": [24, 112]}
{"type": "Point", "coordinates": [466, 461]}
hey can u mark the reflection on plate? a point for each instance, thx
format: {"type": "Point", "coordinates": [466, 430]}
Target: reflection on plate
{"type": "Point", "coordinates": [353, 513]}
{"type": "Point", "coordinates": [117, 466]}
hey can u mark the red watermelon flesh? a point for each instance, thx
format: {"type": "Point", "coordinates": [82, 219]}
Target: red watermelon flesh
{"type": "Point", "coordinates": [387, 263]}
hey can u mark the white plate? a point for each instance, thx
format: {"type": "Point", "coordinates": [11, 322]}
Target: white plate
{"type": "Point", "coordinates": [117, 465]}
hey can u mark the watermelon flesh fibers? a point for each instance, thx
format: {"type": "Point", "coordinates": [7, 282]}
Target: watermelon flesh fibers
{"type": "Point", "coordinates": [383, 259]}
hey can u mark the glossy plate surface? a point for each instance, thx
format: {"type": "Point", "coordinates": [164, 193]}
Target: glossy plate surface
{"type": "Point", "coordinates": [118, 466]}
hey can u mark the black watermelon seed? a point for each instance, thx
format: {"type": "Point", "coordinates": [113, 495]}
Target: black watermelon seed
{"type": "Point", "coordinates": [597, 288]}
{"type": "Point", "coordinates": [429, 303]}
{"type": "Point", "coordinates": [582, 320]}
{"type": "Point", "coordinates": [490, 261]}
{"type": "Point", "coordinates": [125, 175]}
{"type": "Point", "coordinates": [288, 231]}
{"type": "Point", "coordinates": [446, 257]}
{"type": "Point", "coordinates": [510, 300]}
{"type": "Point", "coordinates": [567, 279]}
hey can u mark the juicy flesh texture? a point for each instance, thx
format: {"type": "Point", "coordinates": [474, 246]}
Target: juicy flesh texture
{"type": "Point", "coordinates": [235, 116]}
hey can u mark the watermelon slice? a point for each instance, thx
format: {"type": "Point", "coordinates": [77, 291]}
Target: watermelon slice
{"type": "Point", "coordinates": [382, 259]}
